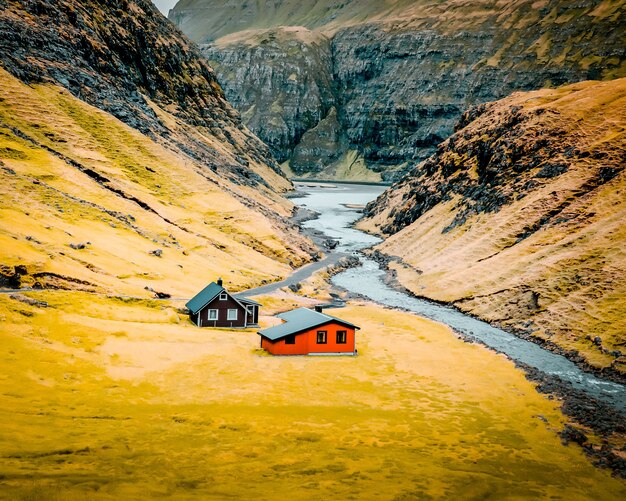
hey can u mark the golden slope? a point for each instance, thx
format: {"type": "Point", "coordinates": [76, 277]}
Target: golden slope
{"type": "Point", "coordinates": [552, 260]}
{"type": "Point", "coordinates": [73, 174]}
{"type": "Point", "coordinates": [210, 19]}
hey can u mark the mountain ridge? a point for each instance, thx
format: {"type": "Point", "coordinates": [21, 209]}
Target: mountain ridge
{"type": "Point", "coordinates": [107, 153]}
{"type": "Point", "coordinates": [401, 78]}
{"type": "Point", "coordinates": [123, 67]}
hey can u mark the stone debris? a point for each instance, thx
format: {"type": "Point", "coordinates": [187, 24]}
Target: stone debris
{"type": "Point", "coordinates": [29, 301]}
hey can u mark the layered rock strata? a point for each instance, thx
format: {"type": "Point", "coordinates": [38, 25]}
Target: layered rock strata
{"type": "Point", "coordinates": [399, 77]}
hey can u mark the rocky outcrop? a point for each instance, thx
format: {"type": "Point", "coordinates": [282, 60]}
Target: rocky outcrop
{"type": "Point", "coordinates": [518, 218]}
{"type": "Point", "coordinates": [123, 57]}
{"type": "Point", "coordinates": [401, 92]}
{"type": "Point", "coordinates": [401, 78]}
{"type": "Point", "coordinates": [280, 81]}
{"type": "Point", "coordinates": [111, 63]}
{"type": "Point", "coordinates": [320, 146]}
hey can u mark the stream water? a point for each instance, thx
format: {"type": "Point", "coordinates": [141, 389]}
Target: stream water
{"type": "Point", "coordinates": [335, 219]}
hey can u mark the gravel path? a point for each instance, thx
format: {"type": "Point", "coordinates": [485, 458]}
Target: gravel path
{"type": "Point", "coordinates": [297, 276]}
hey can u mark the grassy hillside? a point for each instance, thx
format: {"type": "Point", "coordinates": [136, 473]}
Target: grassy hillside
{"type": "Point", "coordinates": [74, 176]}
{"type": "Point", "coordinates": [208, 20]}
{"type": "Point", "coordinates": [519, 218]}
{"type": "Point", "coordinates": [124, 399]}
{"type": "Point", "coordinates": [126, 59]}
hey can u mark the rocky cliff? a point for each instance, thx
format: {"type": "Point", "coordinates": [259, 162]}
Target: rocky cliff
{"type": "Point", "coordinates": [123, 166]}
{"type": "Point", "coordinates": [399, 74]}
{"type": "Point", "coordinates": [124, 57]}
{"type": "Point", "coordinates": [519, 218]}
{"type": "Point", "coordinates": [288, 87]}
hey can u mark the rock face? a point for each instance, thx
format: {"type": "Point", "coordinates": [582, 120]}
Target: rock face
{"type": "Point", "coordinates": [123, 57]}
{"type": "Point", "coordinates": [518, 218]}
{"type": "Point", "coordinates": [399, 78]}
{"type": "Point", "coordinates": [320, 146]}
{"type": "Point", "coordinates": [116, 140]}
{"type": "Point", "coordinates": [288, 84]}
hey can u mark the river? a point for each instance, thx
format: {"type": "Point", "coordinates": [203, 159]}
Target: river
{"type": "Point", "coordinates": [335, 204]}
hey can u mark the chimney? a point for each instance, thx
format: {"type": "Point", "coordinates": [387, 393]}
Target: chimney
{"type": "Point", "coordinates": [318, 308]}
{"type": "Point", "coordinates": [219, 281]}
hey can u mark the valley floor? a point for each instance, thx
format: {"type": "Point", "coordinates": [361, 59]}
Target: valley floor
{"type": "Point", "coordinates": [105, 398]}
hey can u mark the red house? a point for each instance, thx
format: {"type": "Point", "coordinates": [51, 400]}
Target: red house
{"type": "Point", "coordinates": [308, 332]}
{"type": "Point", "coordinates": [214, 306]}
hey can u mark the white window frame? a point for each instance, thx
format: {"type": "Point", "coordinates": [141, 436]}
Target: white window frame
{"type": "Point", "coordinates": [344, 337]}
{"type": "Point", "coordinates": [229, 314]}
{"type": "Point", "coordinates": [223, 296]}
{"type": "Point", "coordinates": [209, 317]}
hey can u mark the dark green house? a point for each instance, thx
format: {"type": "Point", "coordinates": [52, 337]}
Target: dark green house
{"type": "Point", "coordinates": [214, 306]}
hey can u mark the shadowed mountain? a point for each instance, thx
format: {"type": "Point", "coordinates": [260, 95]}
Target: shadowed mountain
{"type": "Point", "coordinates": [397, 74]}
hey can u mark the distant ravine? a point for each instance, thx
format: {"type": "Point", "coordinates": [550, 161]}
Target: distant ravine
{"type": "Point", "coordinates": [326, 86]}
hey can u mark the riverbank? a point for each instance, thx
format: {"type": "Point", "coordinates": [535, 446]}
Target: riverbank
{"type": "Point", "coordinates": [590, 416]}
{"type": "Point", "coordinates": [390, 264]}
{"type": "Point", "coordinates": [597, 427]}
{"type": "Point", "coordinates": [328, 214]}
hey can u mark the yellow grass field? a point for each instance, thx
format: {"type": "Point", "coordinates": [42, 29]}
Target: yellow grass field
{"type": "Point", "coordinates": [108, 398]}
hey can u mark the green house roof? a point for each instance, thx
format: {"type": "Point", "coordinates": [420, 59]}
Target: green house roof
{"type": "Point", "coordinates": [299, 320]}
{"type": "Point", "coordinates": [245, 300]}
{"type": "Point", "coordinates": [205, 296]}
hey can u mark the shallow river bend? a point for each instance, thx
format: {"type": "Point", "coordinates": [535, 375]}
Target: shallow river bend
{"type": "Point", "coordinates": [330, 201]}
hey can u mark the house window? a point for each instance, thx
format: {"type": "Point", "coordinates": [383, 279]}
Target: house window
{"type": "Point", "coordinates": [341, 337]}
{"type": "Point", "coordinates": [321, 337]}
{"type": "Point", "coordinates": [212, 315]}
{"type": "Point", "coordinates": [223, 296]}
{"type": "Point", "coordinates": [232, 315]}
{"type": "Point", "coordinates": [291, 339]}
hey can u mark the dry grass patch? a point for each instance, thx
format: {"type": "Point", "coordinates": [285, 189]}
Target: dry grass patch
{"type": "Point", "coordinates": [128, 195]}
{"type": "Point", "coordinates": [159, 408]}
